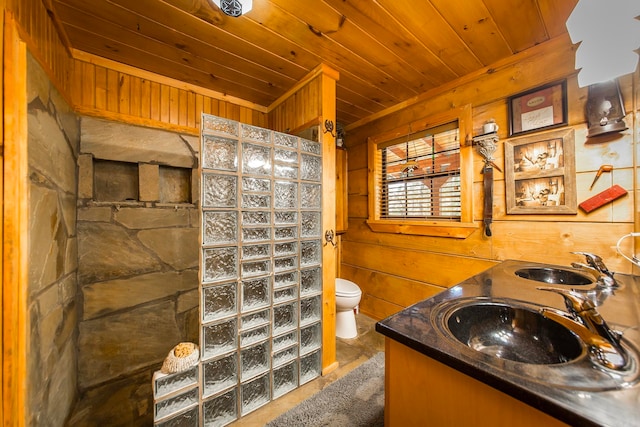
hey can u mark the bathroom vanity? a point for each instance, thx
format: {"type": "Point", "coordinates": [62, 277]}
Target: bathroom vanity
{"type": "Point", "coordinates": [487, 352]}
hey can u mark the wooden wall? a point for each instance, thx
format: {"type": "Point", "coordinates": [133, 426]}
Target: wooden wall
{"type": "Point", "coordinates": [113, 91]}
{"type": "Point", "coordinates": [39, 33]}
{"type": "Point", "coordinates": [396, 270]}
{"type": "Point", "coordinates": [300, 110]}
{"type": "Point", "coordinates": [98, 87]}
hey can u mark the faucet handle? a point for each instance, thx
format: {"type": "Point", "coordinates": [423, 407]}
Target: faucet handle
{"type": "Point", "coordinates": [575, 302]}
{"type": "Point", "coordinates": [596, 262]}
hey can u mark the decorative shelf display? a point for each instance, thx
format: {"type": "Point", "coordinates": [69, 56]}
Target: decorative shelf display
{"type": "Point", "coordinates": [261, 277]}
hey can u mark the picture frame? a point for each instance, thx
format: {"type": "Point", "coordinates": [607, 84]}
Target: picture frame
{"type": "Point", "coordinates": [540, 173]}
{"type": "Point", "coordinates": [538, 109]}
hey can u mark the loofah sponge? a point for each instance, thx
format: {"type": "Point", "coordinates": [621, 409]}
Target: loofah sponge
{"type": "Point", "coordinates": [180, 358]}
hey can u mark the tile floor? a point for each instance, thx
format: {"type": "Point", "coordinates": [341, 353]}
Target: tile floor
{"type": "Point", "coordinates": [350, 354]}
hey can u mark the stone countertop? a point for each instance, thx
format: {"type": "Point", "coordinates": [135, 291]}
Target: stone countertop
{"type": "Point", "coordinates": [577, 392]}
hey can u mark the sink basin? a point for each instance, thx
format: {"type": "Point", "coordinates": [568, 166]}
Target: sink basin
{"type": "Point", "coordinates": [514, 333]}
{"type": "Point", "coordinates": [554, 276]}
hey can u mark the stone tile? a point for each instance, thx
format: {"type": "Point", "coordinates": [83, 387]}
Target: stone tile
{"type": "Point", "coordinates": [126, 143]}
{"type": "Point", "coordinates": [48, 327]}
{"type": "Point", "coordinates": [190, 324]}
{"type": "Point", "coordinates": [195, 187]}
{"type": "Point", "coordinates": [68, 207]}
{"type": "Point", "coordinates": [107, 251]}
{"type": "Point", "coordinates": [123, 402]}
{"type": "Point", "coordinates": [85, 176]}
{"type": "Point", "coordinates": [62, 385]}
{"type": "Point", "coordinates": [68, 326]}
{"type": "Point", "coordinates": [121, 344]}
{"type": "Point", "coordinates": [71, 255]}
{"type": "Point", "coordinates": [148, 182]}
{"type": "Point", "coordinates": [193, 143]}
{"type": "Point", "coordinates": [44, 249]}
{"type": "Point", "coordinates": [49, 152]}
{"type": "Point", "coordinates": [38, 83]}
{"type": "Point", "coordinates": [194, 220]}
{"type": "Point", "coordinates": [95, 213]}
{"type": "Point", "coordinates": [177, 247]}
{"type": "Point", "coordinates": [67, 120]}
{"type": "Point", "coordinates": [106, 297]}
{"type": "Point", "coordinates": [53, 144]}
{"type": "Point", "coordinates": [68, 288]}
{"type": "Point", "coordinates": [144, 218]}
{"type": "Point", "coordinates": [48, 300]}
{"type": "Point", "coordinates": [115, 182]}
{"type": "Point", "coordinates": [175, 185]}
{"type": "Point", "coordinates": [189, 300]}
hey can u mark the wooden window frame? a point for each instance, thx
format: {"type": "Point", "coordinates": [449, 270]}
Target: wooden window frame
{"type": "Point", "coordinates": [427, 227]}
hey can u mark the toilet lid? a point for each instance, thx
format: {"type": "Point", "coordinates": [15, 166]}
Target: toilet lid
{"type": "Point", "coordinates": [347, 288]}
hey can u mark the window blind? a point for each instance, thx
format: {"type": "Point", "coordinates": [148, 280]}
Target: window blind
{"type": "Point", "coordinates": [420, 175]}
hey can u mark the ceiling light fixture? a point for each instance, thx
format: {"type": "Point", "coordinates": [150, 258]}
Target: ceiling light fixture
{"type": "Point", "coordinates": [234, 8]}
{"type": "Point", "coordinates": [609, 34]}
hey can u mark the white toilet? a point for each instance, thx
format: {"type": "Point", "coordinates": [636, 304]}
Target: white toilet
{"type": "Point", "coordinates": [348, 296]}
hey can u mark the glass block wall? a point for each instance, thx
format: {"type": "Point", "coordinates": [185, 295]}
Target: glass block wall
{"type": "Point", "coordinates": [261, 278]}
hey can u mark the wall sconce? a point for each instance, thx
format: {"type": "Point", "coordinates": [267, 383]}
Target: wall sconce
{"type": "Point", "coordinates": [234, 8]}
{"type": "Point", "coordinates": [609, 33]}
{"type": "Point", "coordinates": [605, 109]}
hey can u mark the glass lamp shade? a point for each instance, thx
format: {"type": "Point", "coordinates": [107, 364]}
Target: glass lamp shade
{"type": "Point", "coordinates": [605, 109]}
{"type": "Point", "coordinates": [234, 8]}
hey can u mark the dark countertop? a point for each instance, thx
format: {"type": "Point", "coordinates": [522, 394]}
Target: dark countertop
{"type": "Point", "coordinates": [578, 392]}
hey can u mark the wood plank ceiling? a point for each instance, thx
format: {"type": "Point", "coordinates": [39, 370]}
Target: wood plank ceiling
{"type": "Point", "coordinates": [386, 51]}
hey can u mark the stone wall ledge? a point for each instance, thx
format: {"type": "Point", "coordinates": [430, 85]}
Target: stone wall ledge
{"type": "Point", "coordinates": [137, 204]}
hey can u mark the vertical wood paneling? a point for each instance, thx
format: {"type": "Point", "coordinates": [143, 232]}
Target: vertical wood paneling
{"type": "Point", "coordinates": [298, 110]}
{"type": "Point", "coordinates": [182, 108]}
{"type": "Point", "coordinates": [174, 105]}
{"type": "Point", "coordinates": [145, 99]}
{"type": "Point", "coordinates": [191, 110]}
{"type": "Point", "coordinates": [113, 94]}
{"type": "Point", "coordinates": [101, 89]}
{"type": "Point", "coordinates": [124, 95]}
{"type": "Point", "coordinates": [156, 105]}
{"type": "Point", "coordinates": [43, 42]}
{"type": "Point", "coordinates": [540, 238]}
{"type": "Point", "coordinates": [206, 105]}
{"type": "Point", "coordinates": [135, 97]}
{"type": "Point", "coordinates": [164, 103]}
{"type": "Point", "coordinates": [113, 87]}
{"type": "Point", "coordinates": [87, 84]}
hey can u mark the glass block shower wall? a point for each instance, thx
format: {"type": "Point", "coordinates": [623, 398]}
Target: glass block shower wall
{"type": "Point", "coordinates": [261, 279]}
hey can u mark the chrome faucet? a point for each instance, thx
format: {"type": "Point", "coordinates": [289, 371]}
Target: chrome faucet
{"type": "Point", "coordinates": [597, 267]}
{"type": "Point", "coordinates": [585, 321]}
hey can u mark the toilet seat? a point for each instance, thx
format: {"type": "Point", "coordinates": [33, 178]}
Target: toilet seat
{"type": "Point", "coordinates": [348, 294]}
{"type": "Point", "coordinates": [346, 288]}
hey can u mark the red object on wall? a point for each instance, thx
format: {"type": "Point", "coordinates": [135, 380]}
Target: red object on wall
{"type": "Point", "coordinates": [601, 199]}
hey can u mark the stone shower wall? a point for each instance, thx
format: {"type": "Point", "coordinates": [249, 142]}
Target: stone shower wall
{"type": "Point", "coordinates": [53, 144]}
{"type": "Point", "coordinates": [138, 265]}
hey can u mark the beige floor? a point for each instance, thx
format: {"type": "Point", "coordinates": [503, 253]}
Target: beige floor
{"type": "Point", "coordinates": [350, 354]}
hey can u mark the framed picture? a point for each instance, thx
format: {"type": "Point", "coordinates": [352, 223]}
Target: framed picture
{"type": "Point", "coordinates": [540, 173]}
{"type": "Point", "coordinates": [538, 109]}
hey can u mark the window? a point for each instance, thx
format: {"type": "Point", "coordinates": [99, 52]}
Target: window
{"type": "Point", "coordinates": [421, 174]}
{"type": "Point", "coordinates": [421, 178]}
